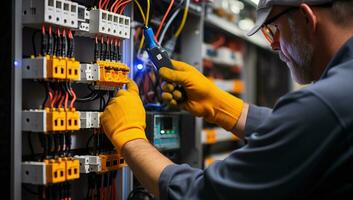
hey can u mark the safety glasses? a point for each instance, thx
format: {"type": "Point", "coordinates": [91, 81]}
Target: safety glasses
{"type": "Point", "coordinates": [271, 31]}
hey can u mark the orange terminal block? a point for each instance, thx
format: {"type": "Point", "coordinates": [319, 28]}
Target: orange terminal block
{"type": "Point", "coordinates": [56, 119]}
{"type": "Point", "coordinates": [56, 171]}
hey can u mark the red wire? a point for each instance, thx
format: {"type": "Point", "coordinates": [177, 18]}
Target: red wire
{"type": "Point", "coordinates": [117, 5]}
{"type": "Point", "coordinates": [58, 32]}
{"type": "Point", "coordinates": [54, 99]}
{"type": "Point", "coordinates": [114, 4]}
{"type": "Point", "coordinates": [66, 99]}
{"type": "Point", "coordinates": [219, 42]}
{"type": "Point", "coordinates": [164, 18]}
{"type": "Point", "coordinates": [123, 8]}
{"type": "Point", "coordinates": [50, 30]}
{"type": "Point", "coordinates": [70, 34]}
{"type": "Point", "coordinates": [62, 98]}
{"type": "Point", "coordinates": [100, 194]}
{"type": "Point", "coordinates": [100, 4]}
{"type": "Point", "coordinates": [106, 5]}
{"type": "Point", "coordinates": [43, 29]}
{"type": "Point", "coordinates": [114, 188]}
{"type": "Point", "coordinates": [122, 4]}
{"type": "Point", "coordinates": [50, 99]}
{"type": "Point", "coordinates": [73, 98]}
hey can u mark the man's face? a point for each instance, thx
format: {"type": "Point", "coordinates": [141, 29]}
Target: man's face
{"type": "Point", "coordinates": [297, 54]}
{"type": "Point", "coordinates": [295, 49]}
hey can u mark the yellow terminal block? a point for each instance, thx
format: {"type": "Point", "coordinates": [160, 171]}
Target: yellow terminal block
{"type": "Point", "coordinates": [105, 163]}
{"type": "Point", "coordinates": [56, 171]}
{"type": "Point", "coordinates": [56, 67]}
{"type": "Point", "coordinates": [114, 162]}
{"type": "Point", "coordinates": [113, 73]}
{"type": "Point", "coordinates": [122, 162]}
{"type": "Point", "coordinates": [56, 119]}
{"type": "Point", "coordinates": [72, 120]}
{"type": "Point", "coordinates": [72, 167]}
{"type": "Point", "coordinates": [72, 69]}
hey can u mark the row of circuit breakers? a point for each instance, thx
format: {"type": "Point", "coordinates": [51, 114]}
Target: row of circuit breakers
{"type": "Point", "coordinates": [59, 21]}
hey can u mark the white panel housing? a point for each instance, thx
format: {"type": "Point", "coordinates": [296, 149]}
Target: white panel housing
{"type": "Point", "coordinates": [58, 12]}
{"type": "Point", "coordinates": [34, 173]}
{"type": "Point", "coordinates": [34, 120]}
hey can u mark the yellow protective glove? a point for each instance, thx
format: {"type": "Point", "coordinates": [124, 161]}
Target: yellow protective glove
{"type": "Point", "coordinates": [204, 99]}
{"type": "Point", "coordinates": [124, 119]}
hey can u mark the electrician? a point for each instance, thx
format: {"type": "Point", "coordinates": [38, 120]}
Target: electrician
{"type": "Point", "coordinates": [302, 149]}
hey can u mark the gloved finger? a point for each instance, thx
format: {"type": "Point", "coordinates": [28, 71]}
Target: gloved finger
{"type": "Point", "coordinates": [121, 92]}
{"type": "Point", "coordinates": [173, 103]}
{"type": "Point", "coordinates": [166, 96]}
{"type": "Point", "coordinates": [177, 95]}
{"type": "Point", "coordinates": [132, 87]}
{"type": "Point", "coordinates": [167, 87]}
{"type": "Point", "coordinates": [180, 66]}
{"type": "Point", "coordinates": [173, 75]}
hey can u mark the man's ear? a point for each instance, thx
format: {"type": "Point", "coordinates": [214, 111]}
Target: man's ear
{"type": "Point", "coordinates": [309, 16]}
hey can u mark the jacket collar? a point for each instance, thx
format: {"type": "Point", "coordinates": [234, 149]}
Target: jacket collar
{"type": "Point", "coordinates": [344, 54]}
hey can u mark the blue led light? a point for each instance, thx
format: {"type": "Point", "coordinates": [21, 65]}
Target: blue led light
{"type": "Point", "coordinates": [139, 66]}
{"type": "Point", "coordinates": [17, 63]}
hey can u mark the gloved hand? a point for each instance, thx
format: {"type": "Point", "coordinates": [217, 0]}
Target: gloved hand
{"type": "Point", "coordinates": [204, 99]}
{"type": "Point", "coordinates": [124, 119]}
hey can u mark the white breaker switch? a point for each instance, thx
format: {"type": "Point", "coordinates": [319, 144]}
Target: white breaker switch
{"type": "Point", "coordinates": [34, 173]}
{"type": "Point", "coordinates": [89, 163]}
{"type": "Point", "coordinates": [108, 23]}
{"type": "Point", "coordinates": [89, 72]}
{"type": "Point", "coordinates": [89, 119]}
{"type": "Point", "coordinates": [83, 19]}
{"type": "Point", "coordinates": [59, 12]}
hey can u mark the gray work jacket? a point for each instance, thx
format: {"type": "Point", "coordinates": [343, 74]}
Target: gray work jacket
{"type": "Point", "coordinates": [302, 149]}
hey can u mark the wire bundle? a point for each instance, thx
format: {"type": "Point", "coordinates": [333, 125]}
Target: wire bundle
{"type": "Point", "coordinates": [59, 43]}
{"type": "Point", "coordinates": [59, 94]}
{"type": "Point", "coordinates": [107, 49]}
{"type": "Point", "coordinates": [56, 192]}
{"type": "Point", "coordinates": [102, 186]}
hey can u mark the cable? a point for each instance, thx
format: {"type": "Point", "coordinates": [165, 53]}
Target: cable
{"type": "Point", "coordinates": [43, 41]}
{"type": "Point", "coordinates": [114, 4]}
{"type": "Point", "coordinates": [164, 18]}
{"type": "Point", "coordinates": [30, 144]}
{"type": "Point", "coordinates": [34, 42]}
{"type": "Point", "coordinates": [146, 23]}
{"type": "Point", "coordinates": [73, 99]}
{"type": "Point", "coordinates": [71, 45]}
{"type": "Point", "coordinates": [106, 4]}
{"type": "Point", "coordinates": [123, 8]}
{"type": "Point", "coordinates": [183, 21]}
{"type": "Point", "coordinates": [50, 41]}
{"type": "Point", "coordinates": [166, 27]}
{"type": "Point", "coordinates": [141, 11]}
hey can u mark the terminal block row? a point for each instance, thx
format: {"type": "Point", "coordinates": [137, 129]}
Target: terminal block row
{"type": "Point", "coordinates": [51, 67]}
{"type": "Point", "coordinates": [112, 162]}
{"type": "Point", "coordinates": [50, 171]}
{"type": "Point", "coordinates": [101, 163]}
{"type": "Point", "coordinates": [113, 73]}
{"type": "Point", "coordinates": [51, 120]}
{"type": "Point", "coordinates": [108, 23]}
{"type": "Point", "coordinates": [58, 12]}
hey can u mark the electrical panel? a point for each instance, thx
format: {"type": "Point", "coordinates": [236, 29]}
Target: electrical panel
{"type": "Point", "coordinates": [72, 66]}
{"type": "Point", "coordinates": [76, 55]}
